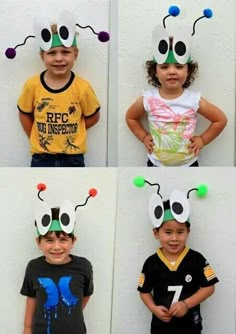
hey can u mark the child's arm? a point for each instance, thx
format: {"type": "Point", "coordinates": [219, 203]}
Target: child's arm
{"type": "Point", "coordinates": [135, 112]}
{"type": "Point", "coordinates": [180, 308]}
{"type": "Point", "coordinates": [29, 314]}
{"type": "Point", "coordinates": [218, 122]}
{"type": "Point", "coordinates": [159, 311]}
{"type": "Point", "coordinates": [85, 301]}
{"type": "Point", "coordinates": [27, 121]}
{"type": "Point", "coordinates": [92, 120]}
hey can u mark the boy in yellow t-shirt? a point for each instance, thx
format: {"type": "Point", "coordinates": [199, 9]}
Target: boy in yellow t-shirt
{"type": "Point", "coordinates": [57, 107]}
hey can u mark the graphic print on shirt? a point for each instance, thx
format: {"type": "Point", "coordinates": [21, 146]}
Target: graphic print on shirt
{"type": "Point", "coordinates": [170, 130]}
{"type": "Point", "coordinates": [50, 122]}
{"type": "Point", "coordinates": [57, 293]}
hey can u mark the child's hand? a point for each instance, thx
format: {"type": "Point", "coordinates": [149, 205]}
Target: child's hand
{"type": "Point", "coordinates": [178, 309]}
{"type": "Point", "coordinates": [162, 313]}
{"type": "Point", "coordinates": [196, 145]}
{"type": "Point", "coordinates": [148, 143]}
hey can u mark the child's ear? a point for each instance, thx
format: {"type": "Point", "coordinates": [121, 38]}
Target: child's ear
{"type": "Point", "coordinates": [37, 242]}
{"type": "Point", "coordinates": [76, 52]}
{"type": "Point", "coordinates": [155, 233]}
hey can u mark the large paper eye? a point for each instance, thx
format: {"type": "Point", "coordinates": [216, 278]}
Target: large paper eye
{"type": "Point", "coordinates": [160, 44]}
{"type": "Point", "coordinates": [67, 217]}
{"type": "Point", "coordinates": [43, 218]}
{"type": "Point", "coordinates": [156, 210]}
{"type": "Point", "coordinates": [179, 206]}
{"type": "Point", "coordinates": [43, 33]}
{"type": "Point", "coordinates": [66, 28]}
{"type": "Point", "coordinates": [182, 45]}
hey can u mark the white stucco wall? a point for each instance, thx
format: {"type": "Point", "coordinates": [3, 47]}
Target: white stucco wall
{"type": "Point", "coordinates": [95, 230]}
{"type": "Point", "coordinates": [213, 233]}
{"type": "Point", "coordinates": [213, 48]}
{"type": "Point", "coordinates": [16, 23]}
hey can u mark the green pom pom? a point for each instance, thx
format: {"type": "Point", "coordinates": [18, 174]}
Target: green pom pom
{"type": "Point", "coordinates": [202, 190]}
{"type": "Point", "coordinates": [139, 181]}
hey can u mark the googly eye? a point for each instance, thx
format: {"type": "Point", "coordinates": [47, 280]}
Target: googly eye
{"type": "Point", "coordinates": [43, 33]}
{"type": "Point", "coordinates": [182, 45]}
{"type": "Point", "coordinates": [179, 206]}
{"type": "Point", "coordinates": [160, 44]}
{"type": "Point", "coordinates": [67, 217]}
{"type": "Point", "coordinates": [43, 218]}
{"type": "Point", "coordinates": [66, 28]}
{"type": "Point", "coordinates": [156, 210]}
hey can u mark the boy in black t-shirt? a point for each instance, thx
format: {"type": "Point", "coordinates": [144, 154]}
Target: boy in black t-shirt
{"type": "Point", "coordinates": [58, 285]}
{"type": "Point", "coordinates": [176, 279]}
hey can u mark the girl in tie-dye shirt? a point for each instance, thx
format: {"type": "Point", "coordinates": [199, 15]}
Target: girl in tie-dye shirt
{"type": "Point", "coordinates": [172, 109]}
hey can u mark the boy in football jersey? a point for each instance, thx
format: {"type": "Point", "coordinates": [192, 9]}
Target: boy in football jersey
{"type": "Point", "coordinates": [176, 279]}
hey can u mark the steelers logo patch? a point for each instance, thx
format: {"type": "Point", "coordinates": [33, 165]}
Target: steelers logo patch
{"type": "Point", "coordinates": [188, 278]}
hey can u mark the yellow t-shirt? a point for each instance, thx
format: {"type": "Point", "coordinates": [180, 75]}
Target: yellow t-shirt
{"type": "Point", "coordinates": [59, 125]}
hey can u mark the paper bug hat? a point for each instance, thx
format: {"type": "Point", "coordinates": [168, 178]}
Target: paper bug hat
{"type": "Point", "coordinates": [176, 208]}
{"type": "Point", "coordinates": [177, 48]}
{"type": "Point", "coordinates": [66, 36]}
{"type": "Point", "coordinates": [66, 221]}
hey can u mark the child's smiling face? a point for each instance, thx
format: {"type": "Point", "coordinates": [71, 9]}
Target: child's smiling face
{"type": "Point", "coordinates": [56, 249]}
{"type": "Point", "coordinates": [59, 60]}
{"type": "Point", "coordinates": [172, 236]}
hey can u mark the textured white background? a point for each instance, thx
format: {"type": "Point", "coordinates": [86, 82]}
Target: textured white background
{"type": "Point", "coordinates": [95, 230]}
{"type": "Point", "coordinates": [213, 48]}
{"type": "Point", "coordinates": [213, 233]}
{"type": "Point", "coordinates": [16, 23]}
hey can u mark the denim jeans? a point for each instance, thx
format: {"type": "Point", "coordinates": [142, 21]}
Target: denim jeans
{"type": "Point", "coordinates": [57, 160]}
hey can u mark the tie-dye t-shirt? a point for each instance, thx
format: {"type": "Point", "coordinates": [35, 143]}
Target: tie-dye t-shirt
{"type": "Point", "coordinates": [171, 123]}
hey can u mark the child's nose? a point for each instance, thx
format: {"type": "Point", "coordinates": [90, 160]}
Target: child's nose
{"type": "Point", "coordinates": [174, 236]}
{"type": "Point", "coordinates": [172, 68]}
{"type": "Point", "coordinates": [56, 244]}
{"type": "Point", "coordinates": [58, 56]}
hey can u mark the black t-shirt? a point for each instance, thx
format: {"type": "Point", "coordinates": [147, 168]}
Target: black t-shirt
{"type": "Point", "coordinates": [174, 282]}
{"type": "Point", "coordinates": [59, 291]}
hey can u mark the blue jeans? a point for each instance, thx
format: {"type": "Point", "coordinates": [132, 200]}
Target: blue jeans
{"type": "Point", "coordinates": [57, 160]}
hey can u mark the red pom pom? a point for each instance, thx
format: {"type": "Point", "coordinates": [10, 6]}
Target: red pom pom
{"type": "Point", "coordinates": [41, 186]}
{"type": "Point", "coordinates": [93, 192]}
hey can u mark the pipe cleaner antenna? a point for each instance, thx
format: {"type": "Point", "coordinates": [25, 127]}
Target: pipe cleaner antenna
{"type": "Point", "coordinates": [139, 182]}
{"type": "Point", "coordinates": [103, 36]}
{"type": "Point", "coordinates": [10, 53]}
{"type": "Point", "coordinates": [173, 11]}
{"type": "Point", "coordinates": [41, 187]}
{"type": "Point", "coordinates": [207, 13]}
{"type": "Point", "coordinates": [202, 191]}
{"type": "Point", "coordinates": [92, 193]}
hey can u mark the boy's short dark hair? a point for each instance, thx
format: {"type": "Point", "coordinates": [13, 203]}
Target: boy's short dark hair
{"type": "Point", "coordinates": [55, 216]}
{"type": "Point", "coordinates": [153, 80]}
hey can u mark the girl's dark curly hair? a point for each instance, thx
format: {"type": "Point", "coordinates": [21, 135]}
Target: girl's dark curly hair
{"type": "Point", "coordinates": [153, 80]}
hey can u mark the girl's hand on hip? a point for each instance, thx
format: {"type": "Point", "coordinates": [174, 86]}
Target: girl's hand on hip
{"type": "Point", "coordinates": [148, 143]}
{"type": "Point", "coordinates": [196, 144]}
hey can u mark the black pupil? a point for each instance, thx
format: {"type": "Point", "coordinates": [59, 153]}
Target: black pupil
{"type": "Point", "coordinates": [46, 220]}
{"type": "Point", "coordinates": [177, 208]}
{"type": "Point", "coordinates": [46, 35]}
{"type": "Point", "coordinates": [64, 33]}
{"type": "Point", "coordinates": [180, 48]}
{"type": "Point", "coordinates": [158, 212]}
{"type": "Point", "coordinates": [163, 47]}
{"type": "Point", "coordinates": [65, 219]}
